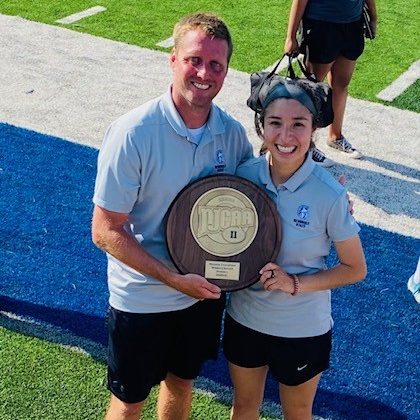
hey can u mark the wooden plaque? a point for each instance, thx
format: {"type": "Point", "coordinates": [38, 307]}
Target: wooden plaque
{"type": "Point", "coordinates": [224, 228]}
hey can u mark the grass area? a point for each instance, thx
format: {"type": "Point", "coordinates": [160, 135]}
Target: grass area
{"type": "Point", "coordinates": [45, 381]}
{"type": "Point", "coordinates": [258, 31]}
{"type": "Point", "coordinates": [410, 98]}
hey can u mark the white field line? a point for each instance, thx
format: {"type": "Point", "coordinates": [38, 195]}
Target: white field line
{"type": "Point", "coordinates": [44, 331]}
{"type": "Point", "coordinates": [78, 16]}
{"type": "Point", "coordinates": [283, 63]}
{"type": "Point", "coordinates": [166, 43]}
{"type": "Point", "coordinates": [398, 86]}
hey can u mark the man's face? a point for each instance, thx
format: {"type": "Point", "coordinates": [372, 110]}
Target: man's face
{"type": "Point", "coordinates": [199, 66]}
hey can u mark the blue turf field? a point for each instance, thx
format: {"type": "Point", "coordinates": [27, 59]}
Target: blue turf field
{"type": "Point", "coordinates": [52, 272]}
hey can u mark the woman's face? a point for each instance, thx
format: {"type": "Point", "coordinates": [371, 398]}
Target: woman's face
{"type": "Point", "coordinates": [287, 130]}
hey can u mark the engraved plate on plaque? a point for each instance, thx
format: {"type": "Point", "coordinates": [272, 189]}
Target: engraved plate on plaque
{"type": "Point", "coordinates": [222, 270]}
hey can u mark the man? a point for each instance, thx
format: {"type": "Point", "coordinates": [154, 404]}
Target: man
{"type": "Point", "coordinates": [163, 325]}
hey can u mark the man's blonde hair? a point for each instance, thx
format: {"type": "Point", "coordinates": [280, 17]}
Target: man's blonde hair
{"type": "Point", "coordinates": [209, 23]}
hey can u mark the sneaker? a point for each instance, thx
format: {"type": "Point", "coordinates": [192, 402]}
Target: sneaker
{"type": "Point", "coordinates": [414, 288]}
{"type": "Point", "coordinates": [345, 146]}
{"type": "Point", "coordinates": [320, 158]}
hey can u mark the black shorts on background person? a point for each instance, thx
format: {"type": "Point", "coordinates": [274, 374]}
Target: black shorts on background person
{"type": "Point", "coordinates": [326, 41]}
{"type": "Point", "coordinates": [333, 39]}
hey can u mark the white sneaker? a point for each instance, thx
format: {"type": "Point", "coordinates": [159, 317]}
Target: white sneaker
{"type": "Point", "coordinates": [414, 288]}
{"type": "Point", "coordinates": [320, 158]}
{"type": "Point", "coordinates": [343, 145]}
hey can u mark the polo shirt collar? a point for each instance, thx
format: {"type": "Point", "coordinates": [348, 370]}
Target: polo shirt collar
{"type": "Point", "coordinates": [295, 181]}
{"type": "Point", "coordinates": [214, 123]}
{"type": "Point", "coordinates": [300, 176]}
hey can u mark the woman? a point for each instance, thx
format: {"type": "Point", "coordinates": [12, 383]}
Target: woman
{"type": "Point", "coordinates": [283, 323]}
{"type": "Point", "coordinates": [333, 39]}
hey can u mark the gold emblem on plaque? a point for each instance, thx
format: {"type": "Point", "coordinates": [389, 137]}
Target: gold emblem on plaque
{"type": "Point", "coordinates": [224, 222]}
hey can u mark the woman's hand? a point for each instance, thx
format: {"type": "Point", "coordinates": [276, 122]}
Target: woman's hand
{"type": "Point", "coordinates": [274, 278]}
{"type": "Point", "coordinates": [291, 46]}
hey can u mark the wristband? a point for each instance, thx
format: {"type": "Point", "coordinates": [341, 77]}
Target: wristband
{"type": "Point", "coordinates": [296, 284]}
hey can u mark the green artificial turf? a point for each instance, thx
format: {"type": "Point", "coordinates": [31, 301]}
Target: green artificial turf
{"type": "Point", "coordinates": [45, 381]}
{"type": "Point", "coordinates": [40, 380]}
{"type": "Point", "coordinates": [258, 30]}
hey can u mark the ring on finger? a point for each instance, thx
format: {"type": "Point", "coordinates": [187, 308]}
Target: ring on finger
{"type": "Point", "coordinates": [272, 274]}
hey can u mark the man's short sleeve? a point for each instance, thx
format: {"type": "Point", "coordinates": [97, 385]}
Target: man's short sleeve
{"type": "Point", "coordinates": [118, 177]}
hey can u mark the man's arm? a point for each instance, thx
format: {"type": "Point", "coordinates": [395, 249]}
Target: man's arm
{"type": "Point", "coordinates": [108, 234]}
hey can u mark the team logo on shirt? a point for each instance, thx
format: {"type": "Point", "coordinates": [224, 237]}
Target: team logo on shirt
{"type": "Point", "coordinates": [220, 161]}
{"type": "Point", "coordinates": [303, 216]}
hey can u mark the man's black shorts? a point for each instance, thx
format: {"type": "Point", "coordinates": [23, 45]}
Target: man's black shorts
{"type": "Point", "coordinates": [144, 348]}
{"type": "Point", "coordinates": [324, 42]}
{"type": "Point", "coordinates": [292, 361]}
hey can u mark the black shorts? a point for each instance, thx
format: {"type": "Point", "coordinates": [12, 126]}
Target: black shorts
{"type": "Point", "coordinates": [291, 361]}
{"type": "Point", "coordinates": [144, 348]}
{"type": "Point", "coordinates": [324, 42]}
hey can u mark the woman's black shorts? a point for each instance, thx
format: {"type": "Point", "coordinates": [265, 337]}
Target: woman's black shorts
{"type": "Point", "coordinates": [324, 42]}
{"type": "Point", "coordinates": [292, 361]}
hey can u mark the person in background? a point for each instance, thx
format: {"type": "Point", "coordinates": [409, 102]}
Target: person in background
{"type": "Point", "coordinates": [413, 284]}
{"type": "Point", "coordinates": [333, 39]}
{"type": "Point", "coordinates": [163, 325]}
{"type": "Point", "coordinates": [283, 323]}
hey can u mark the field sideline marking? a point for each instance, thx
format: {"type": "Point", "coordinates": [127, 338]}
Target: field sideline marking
{"type": "Point", "coordinates": [399, 85]}
{"type": "Point", "coordinates": [78, 16]}
{"type": "Point", "coordinates": [283, 63]}
{"type": "Point", "coordinates": [30, 326]}
{"type": "Point", "coordinates": [166, 43]}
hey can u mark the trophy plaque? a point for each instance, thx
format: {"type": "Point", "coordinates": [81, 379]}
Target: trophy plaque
{"type": "Point", "coordinates": [224, 228]}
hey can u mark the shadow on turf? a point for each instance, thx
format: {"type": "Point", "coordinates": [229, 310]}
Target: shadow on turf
{"type": "Point", "coordinates": [395, 167]}
{"type": "Point", "coordinates": [376, 188]}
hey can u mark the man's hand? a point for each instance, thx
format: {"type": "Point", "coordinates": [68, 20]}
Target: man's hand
{"type": "Point", "coordinates": [196, 286]}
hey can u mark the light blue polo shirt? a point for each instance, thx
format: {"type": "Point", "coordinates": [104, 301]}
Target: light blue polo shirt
{"type": "Point", "coordinates": [313, 209]}
{"type": "Point", "coordinates": [146, 159]}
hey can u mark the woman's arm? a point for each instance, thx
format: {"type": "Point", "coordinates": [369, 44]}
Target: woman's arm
{"type": "Point", "coordinates": [351, 269]}
{"type": "Point", "coordinates": [295, 16]}
{"type": "Point", "coordinates": [373, 15]}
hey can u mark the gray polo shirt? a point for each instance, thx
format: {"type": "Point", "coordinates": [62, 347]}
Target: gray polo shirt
{"type": "Point", "coordinates": [313, 209]}
{"type": "Point", "coordinates": [146, 158]}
